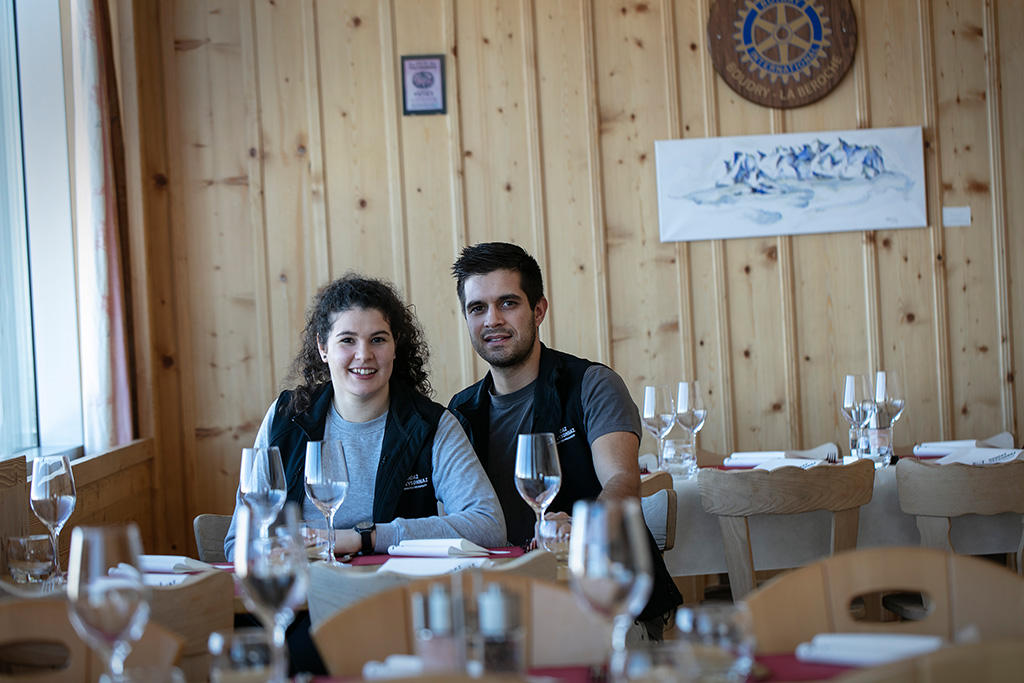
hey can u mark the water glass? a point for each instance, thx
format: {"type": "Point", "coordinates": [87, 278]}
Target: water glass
{"type": "Point", "coordinates": [30, 559]}
{"type": "Point", "coordinates": [244, 655]}
{"type": "Point", "coordinates": [148, 674]}
{"type": "Point", "coordinates": [884, 390]}
{"type": "Point", "coordinates": [721, 638]}
{"type": "Point", "coordinates": [647, 661]}
{"type": "Point", "coordinates": [680, 458]}
{"type": "Point", "coordinates": [553, 536]}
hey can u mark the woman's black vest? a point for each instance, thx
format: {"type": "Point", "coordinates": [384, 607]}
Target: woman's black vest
{"type": "Point", "coordinates": [404, 485]}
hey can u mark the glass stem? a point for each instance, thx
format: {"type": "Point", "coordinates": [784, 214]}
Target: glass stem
{"type": "Point", "coordinates": [536, 528]}
{"type": "Point", "coordinates": [118, 654]}
{"type": "Point", "coordinates": [854, 440]}
{"type": "Point", "coordinates": [620, 627]}
{"type": "Point", "coordinates": [661, 453]}
{"type": "Point", "coordinates": [331, 558]}
{"type": "Point", "coordinates": [54, 533]}
{"type": "Point", "coordinates": [280, 671]}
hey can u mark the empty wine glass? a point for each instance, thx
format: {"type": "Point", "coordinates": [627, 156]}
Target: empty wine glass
{"type": "Point", "coordinates": [721, 639]}
{"type": "Point", "coordinates": [52, 498]}
{"type": "Point", "coordinates": [108, 602]}
{"type": "Point", "coordinates": [273, 572]}
{"type": "Point", "coordinates": [690, 411]}
{"type": "Point", "coordinates": [610, 562]}
{"type": "Point", "coordinates": [262, 485]}
{"type": "Point", "coordinates": [538, 473]}
{"type": "Point", "coordinates": [856, 409]}
{"type": "Point", "coordinates": [659, 415]}
{"type": "Point", "coordinates": [326, 483]}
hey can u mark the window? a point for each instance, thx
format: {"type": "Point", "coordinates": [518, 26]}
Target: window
{"type": "Point", "coordinates": [40, 387]}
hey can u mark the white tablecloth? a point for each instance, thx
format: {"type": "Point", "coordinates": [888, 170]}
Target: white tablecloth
{"type": "Point", "coordinates": [783, 541]}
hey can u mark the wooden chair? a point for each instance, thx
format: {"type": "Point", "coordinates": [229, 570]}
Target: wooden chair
{"type": "Point", "coordinates": [332, 589]}
{"type": "Point", "coordinates": [935, 493]}
{"type": "Point", "coordinates": [13, 503]}
{"type": "Point", "coordinates": [735, 495]}
{"type": "Point", "coordinates": [658, 500]}
{"type": "Point", "coordinates": [967, 594]}
{"type": "Point", "coordinates": [210, 531]}
{"type": "Point", "coordinates": [988, 662]}
{"type": "Point", "coordinates": [39, 645]}
{"type": "Point", "coordinates": [381, 625]}
{"type": "Point", "coordinates": [193, 609]}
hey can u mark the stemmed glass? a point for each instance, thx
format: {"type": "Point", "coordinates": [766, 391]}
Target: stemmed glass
{"type": "Point", "coordinates": [108, 602]}
{"type": "Point", "coordinates": [884, 390]}
{"type": "Point", "coordinates": [610, 562]}
{"type": "Point", "coordinates": [261, 484]}
{"type": "Point", "coordinates": [538, 473]}
{"type": "Point", "coordinates": [855, 409]}
{"type": "Point", "coordinates": [52, 498]}
{"type": "Point", "coordinates": [659, 415]}
{"type": "Point", "coordinates": [326, 483]}
{"type": "Point", "coordinates": [274, 575]}
{"type": "Point", "coordinates": [690, 410]}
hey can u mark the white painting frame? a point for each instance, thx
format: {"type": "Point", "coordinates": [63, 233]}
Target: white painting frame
{"type": "Point", "coordinates": [790, 184]}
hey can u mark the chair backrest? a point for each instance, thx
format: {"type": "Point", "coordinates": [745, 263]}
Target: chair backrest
{"type": "Point", "coordinates": [210, 531]}
{"type": "Point", "coordinates": [381, 625]}
{"type": "Point", "coordinates": [13, 503]}
{"type": "Point", "coordinates": [332, 589]}
{"type": "Point", "coordinates": [987, 662]}
{"type": "Point", "coordinates": [964, 593]}
{"type": "Point", "coordinates": [39, 645]}
{"type": "Point", "coordinates": [734, 495]}
{"type": "Point", "coordinates": [658, 501]}
{"type": "Point", "coordinates": [193, 609]}
{"type": "Point", "coordinates": [934, 493]}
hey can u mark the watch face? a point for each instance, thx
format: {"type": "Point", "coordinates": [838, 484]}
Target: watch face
{"type": "Point", "coordinates": [365, 526]}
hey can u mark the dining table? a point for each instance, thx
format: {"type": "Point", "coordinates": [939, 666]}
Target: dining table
{"type": "Point", "coordinates": [786, 541]}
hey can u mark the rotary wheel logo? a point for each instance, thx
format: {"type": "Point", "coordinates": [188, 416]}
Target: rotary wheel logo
{"type": "Point", "coordinates": [782, 38]}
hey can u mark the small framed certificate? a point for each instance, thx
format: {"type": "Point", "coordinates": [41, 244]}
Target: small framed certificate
{"type": "Point", "coordinates": [423, 90]}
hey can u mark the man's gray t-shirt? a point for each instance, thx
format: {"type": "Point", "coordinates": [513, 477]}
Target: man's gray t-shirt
{"type": "Point", "coordinates": [607, 407]}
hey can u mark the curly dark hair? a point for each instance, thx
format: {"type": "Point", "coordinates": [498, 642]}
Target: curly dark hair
{"type": "Point", "coordinates": [356, 291]}
{"type": "Point", "coordinates": [486, 257]}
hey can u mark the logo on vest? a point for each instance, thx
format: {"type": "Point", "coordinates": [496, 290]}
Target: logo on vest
{"type": "Point", "coordinates": [564, 434]}
{"type": "Point", "coordinates": [416, 481]}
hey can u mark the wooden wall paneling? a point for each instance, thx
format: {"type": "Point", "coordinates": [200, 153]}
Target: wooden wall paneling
{"type": "Point", "coordinates": [216, 277]}
{"type": "Point", "coordinates": [828, 286]}
{"type": "Point", "coordinates": [906, 302]}
{"type": "Point", "coordinates": [357, 87]}
{"type": "Point", "coordinates": [642, 278]}
{"type": "Point", "coordinates": [569, 165]}
{"type": "Point", "coordinates": [296, 256]}
{"type": "Point", "coordinates": [961, 64]}
{"type": "Point", "coordinates": [1000, 227]}
{"type": "Point", "coordinates": [707, 291]}
{"type": "Point", "coordinates": [1010, 22]}
{"type": "Point", "coordinates": [430, 152]}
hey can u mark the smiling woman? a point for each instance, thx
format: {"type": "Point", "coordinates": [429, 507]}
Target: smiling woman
{"type": "Point", "coordinates": [361, 379]}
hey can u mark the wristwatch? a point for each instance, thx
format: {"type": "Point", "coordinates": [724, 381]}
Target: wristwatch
{"type": "Point", "coordinates": [365, 530]}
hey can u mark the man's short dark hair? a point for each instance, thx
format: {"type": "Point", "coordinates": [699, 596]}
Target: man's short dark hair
{"type": "Point", "coordinates": [487, 257]}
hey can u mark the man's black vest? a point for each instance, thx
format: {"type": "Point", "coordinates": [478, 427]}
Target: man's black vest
{"type": "Point", "coordinates": [406, 454]}
{"type": "Point", "coordinates": [557, 408]}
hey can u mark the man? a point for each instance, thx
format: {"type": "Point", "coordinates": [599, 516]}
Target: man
{"type": "Point", "coordinates": [531, 388]}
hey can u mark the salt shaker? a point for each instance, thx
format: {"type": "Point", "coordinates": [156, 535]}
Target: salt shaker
{"type": "Point", "coordinates": [432, 625]}
{"type": "Point", "coordinates": [501, 642]}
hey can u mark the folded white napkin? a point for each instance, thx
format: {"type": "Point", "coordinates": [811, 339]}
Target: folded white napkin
{"type": "Point", "coordinates": [1001, 440]}
{"type": "Point", "coordinates": [438, 547]}
{"type": "Point", "coordinates": [755, 458]}
{"type": "Point", "coordinates": [865, 649]}
{"type": "Point", "coordinates": [432, 566]}
{"type": "Point", "coordinates": [394, 666]}
{"type": "Point", "coordinates": [802, 463]}
{"type": "Point", "coordinates": [161, 564]}
{"type": "Point", "coordinates": [979, 456]}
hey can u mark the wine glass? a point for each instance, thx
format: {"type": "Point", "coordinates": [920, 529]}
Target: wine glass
{"type": "Point", "coordinates": [659, 415]}
{"type": "Point", "coordinates": [273, 572]}
{"type": "Point", "coordinates": [690, 411]}
{"type": "Point", "coordinates": [326, 483]}
{"type": "Point", "coordinates": [262, 485]}
{"type": "Point", "coordinates": [855, 409]}
{"type": "Point", "coordinates": [108, 602]}
{"type": "Point", "coordinates": [538, 473]}
{"type": "Point", "coordinates": [52, 498]}
{"type": "Point", "coordinates": [610, 561]}
{"type": "Point", "coordinates": [721, 638]}
{"type": "Point", "coordinates": [884, 390]}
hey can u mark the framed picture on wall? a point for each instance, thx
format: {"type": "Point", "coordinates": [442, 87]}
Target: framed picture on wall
{"type": "Point", "coordinates": [423, 90]}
